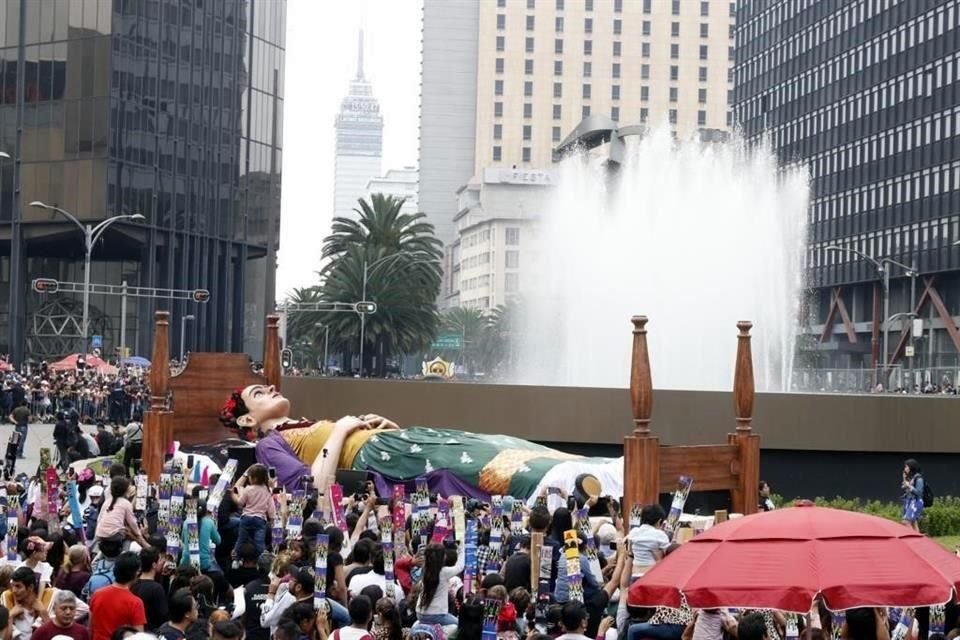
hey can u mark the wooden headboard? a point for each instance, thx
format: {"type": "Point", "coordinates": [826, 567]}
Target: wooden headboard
{"type": "Point", "coordinates": [185, 407]}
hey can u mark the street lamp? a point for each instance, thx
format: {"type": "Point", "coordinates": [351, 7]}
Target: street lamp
{"type": "Point", "coordinates": [183, 333]}
{"type": "Point", "coordinates": [911, 272]}
{"type": "Point", "coordinates": [363, 292]}
{"type": "Point", "coordinates": [90, 235]}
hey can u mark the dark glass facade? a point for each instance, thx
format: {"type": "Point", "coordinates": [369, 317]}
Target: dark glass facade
{"type": "Point", "coordinates": [865, 93]}
{"type": "Point", "coordinates": [168, 108]}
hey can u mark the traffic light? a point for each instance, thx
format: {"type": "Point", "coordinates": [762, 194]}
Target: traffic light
{"type": "Point", "coordinates": [365, 307]}
{"type": "Point", "coordinates": [45, 285]}
{"type": "Point", "coordinates": [201, 295]}
{"type": "Point", "coordinates": [286, 358]}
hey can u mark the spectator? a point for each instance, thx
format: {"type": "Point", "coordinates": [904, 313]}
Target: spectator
{"type": "Point", "coordinates": [114, 605]}
{"type": "Point", "coordinates": [247, 571]}
{"type": "Point", "coordinates": [117, 517]}
{"type": "Point", "coordinates": [102, 574]}
{"type": "Point", "coordinates": [433, 605]}
{"type": "Point", "coordinates": [573, 618]}
{"type": "Point", "coordinates": [255, 594]}
{"type": "Point", "coordinates": [649, 542]}
{"type": "Point", "coordinates": [253, 496]}
{"type": "Point", "coordinates": [76, 572]}
{"type": "Point", "coordinates": [298, 589]}
{"type": "Point", "coordinates": [27, 609]}
{"type": "Point", "coordinates": [63, 621]}
{"type": "Point", "coordinates": [21, 419]}
{"type": "Point", "coordinates": [150, 592]}
{"type": "Point", "coordinates": [753, 627]}
{"type": "Point", "coordinates": [183, 612]}
{"type": "Point", "coordinates": [228, 630]}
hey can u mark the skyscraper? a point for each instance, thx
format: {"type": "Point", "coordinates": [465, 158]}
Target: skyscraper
{"type": "Point", "coordinates": [167, 108]}
{"type": "Point", "coordinates": [359, 144]}
{"type": "Point", "coordinates": [866, 93]}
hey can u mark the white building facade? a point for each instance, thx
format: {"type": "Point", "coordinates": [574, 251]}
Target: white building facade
{"type": "Point", "coordinates": [359, 143]}
{"type": "Point", "coordinates": [401, 183]}
{"type": "Point", "coordinates": [496, 227]}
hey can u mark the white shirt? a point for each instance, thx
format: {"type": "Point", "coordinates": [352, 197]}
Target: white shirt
{"type": "Point", "coordinates": [440, 603]}
{"type": "Point", "coordinates": [573, 636]}
{"type": "Point", "coordinates": [645, 540]}
{"type": "Point", "coordinates": [361, 581]}
{"type": "Point", "coordinates": [349, 633]}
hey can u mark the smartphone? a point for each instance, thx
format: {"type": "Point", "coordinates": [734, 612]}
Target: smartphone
{"type": "Point", "coordinates": [190, 461]}
{"type": "Point", "coordinates": [272, 472]}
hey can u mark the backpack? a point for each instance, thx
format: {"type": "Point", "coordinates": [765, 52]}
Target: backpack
{"type": "Point", "coordinates": [102, 577]}
{"type": "Point", "coordinates": [928, 497]}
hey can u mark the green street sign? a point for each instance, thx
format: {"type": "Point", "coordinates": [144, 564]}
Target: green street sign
{"type": "Point", "coordinates": [448, 341]}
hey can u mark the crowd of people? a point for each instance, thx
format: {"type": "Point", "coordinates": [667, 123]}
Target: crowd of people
{"type": "Point", "coordinates": [236, 557]}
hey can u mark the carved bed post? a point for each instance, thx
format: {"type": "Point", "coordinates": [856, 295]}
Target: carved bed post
{"type": "Point", "coordinates": [641, 449]}
{"type": "Point", "coordinates": [157, 422]}
{"type": "Point", "coordinates": [271, 351]}
{"type": "Point", "coordinates": [747, 443]}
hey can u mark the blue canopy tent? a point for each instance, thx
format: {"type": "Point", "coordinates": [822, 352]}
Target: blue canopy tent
{"type": "Point", "coordinates": [136, 361]}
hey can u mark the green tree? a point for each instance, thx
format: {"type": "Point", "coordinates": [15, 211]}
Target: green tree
{"type": "Point", "coordinates": [302, 324]}
{"type": "Point", "coordinates": [472, 325]}
{"type": "Point", "coordinates": [504, 324]}
{"type": "Point", "coordinates": [389, 258]}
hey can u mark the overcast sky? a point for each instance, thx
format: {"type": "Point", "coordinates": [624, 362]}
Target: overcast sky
{"type": "Point", "coordinates": [321, 59]}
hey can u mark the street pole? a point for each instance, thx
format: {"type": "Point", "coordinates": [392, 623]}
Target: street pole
{"type": "Point", "coordinates": [326, 347]}
{"type": "Point", "coordinates": [363, 315]}
{"type": "Point", "coordinates": [88, 242]}
{"type": "Point", "coordinates": [886, 325]}
{"type": "Point", "coordinates": [123, 322]}
{"type": "Point", "coordinates": [183, 334]}
{"type": "Point", "coordinates": [913, 308]}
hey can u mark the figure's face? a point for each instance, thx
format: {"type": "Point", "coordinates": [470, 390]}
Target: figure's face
{"type": "Point", "coordinates": [263, 403]}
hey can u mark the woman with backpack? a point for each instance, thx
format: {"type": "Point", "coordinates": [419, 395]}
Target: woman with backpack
{"type": "Point", "coordinates": [913, 494]}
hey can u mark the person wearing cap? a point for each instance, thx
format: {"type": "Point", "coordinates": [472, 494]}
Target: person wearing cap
{"type": "Point", "coordinates": [92, 512]}
{"type": "Point", "coordinates": [63, 623]}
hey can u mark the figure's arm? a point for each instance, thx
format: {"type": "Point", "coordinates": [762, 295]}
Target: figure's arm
{"type": "Point", "coordinates": [273, 451]}
{"type": "Point", "coordinates": [324, 468]}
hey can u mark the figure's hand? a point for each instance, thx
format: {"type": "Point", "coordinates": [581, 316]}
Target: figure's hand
{"type": "Point", "coordinates": [348, 424]}
{"type": "Point", "coordinates": [379, 422]}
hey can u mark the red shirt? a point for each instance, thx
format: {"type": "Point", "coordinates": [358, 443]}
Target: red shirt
{"type": "Point", "coordinates": [114, 606]}
{"type": "Point", "coordinates": [48, 630]}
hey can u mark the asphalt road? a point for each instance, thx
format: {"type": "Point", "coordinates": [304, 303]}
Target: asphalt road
{"type": "Point", "coordinates": [39, 435]}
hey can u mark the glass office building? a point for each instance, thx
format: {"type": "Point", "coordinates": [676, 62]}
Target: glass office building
{"type": "Point", "coordinates": [168, 108]}
{"type": "Point", "coordinates": [866, 93]}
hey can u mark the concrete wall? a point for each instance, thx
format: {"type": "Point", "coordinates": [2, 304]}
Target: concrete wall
{"type": "Point", "coordinates": [798, 422]}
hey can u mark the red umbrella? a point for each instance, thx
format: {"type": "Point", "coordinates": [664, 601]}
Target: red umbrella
{"type": "Point", "coordinates": [70, 362]}
{"type": "Point", "coordinates": [783, 559]}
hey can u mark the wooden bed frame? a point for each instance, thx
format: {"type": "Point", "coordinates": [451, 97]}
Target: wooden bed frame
{"type": "Point", "coordinates": [185, 407]}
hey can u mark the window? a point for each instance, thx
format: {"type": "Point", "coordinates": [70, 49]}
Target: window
{"type": "Point", "coordinates": [501, 21]}
{"type": "Point", "coordinates": [645, 49]}
{"type": "Point", "coordinates": [496, 154]}
{"type": "Point", "coordinates": [703, 52]}
{"type": "Point", "coordinates": [733, 10]}
{"type": "Point", "coordinates": [618, 26]}
{"type": "Point", "coordinates": [529, 45]}
{"type": "Point", "coordinates": [615, 72]}
{"type": "Point", "coordinates": [703, 74]}
{"type": "Point", "coordinates": [500, 43]}
{"type": "Point", "coordinates": [501, 3]}
{"type": "Point", "coordinates": [528, 67]}
{"type": "Point", "coordinates": [730, 32]}
{"type": "Point", "coordinates": [527, 110]}
{"type": "Point", "coordinates": [675, 29]}
{"type": "Point", "coordinates": [558, 24]}
{"type": "Point", "coordinates": [586, 91]}
{"type": "Point", "coordinates": [559, 5]}
{"type": "Point", "coordinates": [616, 48]}
{"type": "Point", "coordinates": [674, 52]}
{"type": "Point", "coordinates": [498, 87]}
{"type": "Point", "coordinates": [527, 88]}
{"type": "Point", "coordinates": [644, 92]}
{"type": "Point", "coordinates": [526, 154]}
{"type": "Point", "coordinates": [530, 22]}
{"type": "Point", "coordinates": [511, 282]}
{"type": "Point", "coordinates": [647, 6]}
{"type": "Point", "coordinates": [512, 259]}
{"type": "Point", "coordinates": [527, 132]}
{"type": "Point", "coordinates": [556, 112]}
{"type": "Point", "coordinates": [558, 46]}
{"type": "Point", "coordinates": [702, 96]}
{"type": "Point", "coordinates": [587, 69]}
{"type": "Point", "coordinates": [675, 8]}
{"type": "Point", "coordinates": [730, 53]}
{"type": "Point", "coordinates": [646, 27]}
{"type": "Point", "coordinates": [644, 114]}
{"type": "Point", "coordinates": [729, 118]}
{"type": "Point", "coordinates": [585, 111]}
{"type": "Point", "coordinates": [615, 114]}
{"type": "Point", "coordinates": [673, 116]}
{"type": "Point", "coordinates": [531, 4]}
{"type": "Point", "coordinates": [499, 65]}
{"type": "Point", "coordinates": [513, 236]}
{"type": "Point", "coordinates": [673, 94]}
{"type": "Point", "coordinates": [588, 25]}
{"type": "Point", "coordinates": [704, 9]}
{"type": "Point", "coordinates": [644, 72]}
{"type": "Point", "coordinates": [558, 67]}
{"type": "Point", "coordinates": [701, 118]}
{"type": "Point", "coordinates": [555, 134]}
{"type": "Point", "coordinates": [617, 6]}
{"type": "Point", "coordinates": [497, 131]}
{"type": "Point", "coordinates": [674, 72]}
{"type": "Point", "coordinates": [587, 47]}
{"type": "Point", "coordinates": [497, 109]}
{"type": "Point", "coordinates": [704, 30]}
{"type": "Point", "coordinates": [588, 5]}
{"type": "Point", "coordinates": [615, 92]}
{"type": "Point", "coordinates": [557, 90]}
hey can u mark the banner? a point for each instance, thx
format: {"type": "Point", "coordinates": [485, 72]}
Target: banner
{"type": "Point", "coordinates": [320, 566]}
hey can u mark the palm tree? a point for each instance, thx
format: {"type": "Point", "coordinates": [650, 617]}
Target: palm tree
{"type": "Point", "coordinates": [472, 324]}
{"type": "Point", "coordinates": [503, 326]}
{"type": "Point", "coordinates": [302, 324]}
{"type": "Point", "coordinates": [400, 258]}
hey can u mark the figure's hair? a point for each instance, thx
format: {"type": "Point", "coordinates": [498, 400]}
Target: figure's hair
{"type": "Point", "coordinates": [233, 408]}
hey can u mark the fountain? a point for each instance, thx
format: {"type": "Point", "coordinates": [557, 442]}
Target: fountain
{"type": "Point", "coordinates": [694, 235]}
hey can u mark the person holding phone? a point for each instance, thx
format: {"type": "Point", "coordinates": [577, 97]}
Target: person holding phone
{"type": "Point", "coordinates": [252, 494]}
